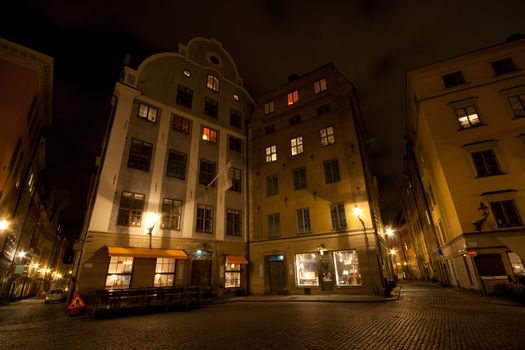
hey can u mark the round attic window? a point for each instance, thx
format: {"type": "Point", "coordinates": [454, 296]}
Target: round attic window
{"type": "Point", "coordinates": [214, 60]}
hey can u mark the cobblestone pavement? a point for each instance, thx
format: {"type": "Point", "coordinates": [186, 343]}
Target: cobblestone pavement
{"type": "Point", "coordinates": [426, 316]}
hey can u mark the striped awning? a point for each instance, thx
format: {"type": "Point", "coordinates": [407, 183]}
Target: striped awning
{"type": "Point", "coordinates": [236, 259]}
{"type": "Point", "coordinates": [147, 252]}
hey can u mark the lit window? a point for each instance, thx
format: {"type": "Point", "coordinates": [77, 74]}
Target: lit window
{"type": "Point", "coordinates": [209, 135]}
{"type": "Point", "coordinates": [327, 136]}
{"type": "Point", "coordinates": [331, 171]}
{"type": "Point", "coordinates": [517, 103]}
{"type": "Point", "coordinates": [181, 124]}
{"type": "Point", "coordinates": [505, 213]}
{"type": "Point", "coordinates": [338, 216]}
{"type": "Point", "coordinates": [268, 107]}
{"type": "Point", "coordinates": [206, 172]}
{"type": "Point", "coordinates": [486, 163]}
{"type": "Point", "coordinates": [212, 83]}
{"type": "Point", "coordinates": [320, 85]}
{"type": "Point", "coordinates": [187, 73]}
{"type": "Point", "coordinates": [211, 107]}
{"type": "Point", "coordinates": [274, 226]}
{"type": "Point", "coordinates": [296, 145]}
{"type": "Point", "coordinates": [453, 79]}
{"type": "Point", "coordinates": [299, 178]}
{"type": "Point", "coordinates": [503, 66]}
{"type": "Point", "coordinates": [271, 153]}
{"type": "Point", "coordinates": [346, 265]}
{"type": "Point", "coordinates": [303, 220]}
{"type": "Point", "coordinates": [130, 209]}
{"type": "Point", "coordinates": [147, 112]}
{"type": "Point", "coordinates": [306, 270]}
{"type": "Point", "coordinates": [233, 222]}
{"type": "Point", "coordinates": [232, 275]}
{"type": "Point", "coordinates": [119, 272]}
{"type": "Point", "coordinates": [293, 97]}
{"type": "Point", "coordinates": [204, 218]}
{"type": "Point", "coordinates": [176, 165]}
{"type": "Point", "coordinates": [171, 214]}
{"type": "Point", "coordinates": [164, 272]}
{"type": "Point", "coordinates": [468, 117]}
{"type": "Point", "coordinates": [236, 177]}
{"type": "Point", "coordinates": [140, 155]}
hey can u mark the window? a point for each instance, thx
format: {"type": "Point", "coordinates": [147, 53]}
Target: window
{"type": "Point", "coordinates": [322, 109]}
{"type": "Point", "coordinates": [453, 79]}
{"type": "Point", "coordinates": [503, 66]}
{"type": "Point", "coordinates": [296, 119]}
{"type": "Point", "coordinates": [233, 222]}
{"type": "Point", "coordinates": [467, 117]}
{"type": "Point", "coordinates": [272, 185]}
{"type": "Point", "coordinates": [296, 145]}
{"type": "Point", "coordinates": [181, 124]}
{"type": "Point", "coordinates": [209, 135]}
{"type": "Point", "coordinates": [337, 215]}
{"type": "Point", "coordinates": [517, 103]}
{"type": "Point", "coordinates": [486, 163]}
{"type": "Point", "coordinates": [204, 218]}
{"type": "Point", "coordinates": [176, 165]}
{"type": "Point", "coordinates": [212, 83]}
{"type": "Point", "coordinates": [505, 213]}
{"type": "Point", "coordinates": [303, 220]}
{"type": "Point", "coordinates": [293, 97]}
{"type": "Point", "coordinates": [234, 143]}
{"type": "Point", "coordinates": [147, 112]}
{"type": "Point", "coordinates": [140, 155]}
{"type": "Point", "coordinates": [164, 272]}
{"type": "Point", "coordinates": [184, 96]}
{"type": "Point", "coordinates": [271, 153]}
{"type": "Point", "coordinates": [130, 209]}
{"type": "Point", "coordinates": [346, 265]}
{"type": "Point", "coordinates": [327, 136]}
{"type": "Point", "coordinates": [269, 107]}
{"type": "Point", "coordinates": [232, 275]}
{"type": "Point", "coordinates": [206, 172]}
{"type": "Point", "coordinates": [119, 272]}
{"type": "Point", "coordinates": [331, 171]}
{"type": "Point", "coordinates": [269, 129]}
{"type": "Point", "coordinates": [236, 176]}
{"type": "Point", "coordinates": [187, 73]}
{"type": "Point", "coordinates": [320, 85]}
{"type": "Point", "coordinates": [171, 214]}
{"type": "Point", "coordinates": [306, 270]}
{"type": "Point", "coordinates": [235, 119]}
{"type": "Point", "coordinates": [274, 226]}
{"type": "Point", "coordinates": [299, 178]}
{"type": "Point", "coordinates": [211, 107]}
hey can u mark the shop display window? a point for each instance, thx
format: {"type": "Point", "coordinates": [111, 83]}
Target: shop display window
{"type": "Point", "coordinates": [164, 272]}
{"type": "Point", "coordinates": [232, 276]}
{"type": "Point", "coordinates": [119, 272]}
{"type": "Point", "coordinates": [306, 270]}
{"type": "Point", "coordinates": [346, 266]}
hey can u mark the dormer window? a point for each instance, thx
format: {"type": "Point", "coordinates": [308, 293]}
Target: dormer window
{"type": "Point", "coordinates": [212, 83]}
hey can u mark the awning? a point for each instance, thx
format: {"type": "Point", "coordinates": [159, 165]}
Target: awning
{"type": "Point", "coordinates": [147, 253]}
{"type": "Point", "coordinates": [515, 243]}
{"type": "Point", "coordinates": [236, 259]}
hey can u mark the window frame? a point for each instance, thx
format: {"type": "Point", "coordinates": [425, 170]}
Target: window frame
{"type": "Point", "coordinates": [171, 214]}
{"type": "Point", "coordinates": [140, 158]}
{"type": "Point", "coordinates": [304, 224]}
{"type": "Point", "coordinates": [293, 97]}
{"type": "Point", "coordinates": [176, 165]}
{"type": "Point", "coordinates": [453, 79]}
{"type": "Point", "coordinates": [236, 118]}
{"type": "Point", "coordinates": [134, 210]}
{"type": "Point", "coordinates": [329, 137]}
{"type": "Point", "coordinates": [296, 146]}
{"type": "Point", "coordinates": [482, 166]}
{"type": "Point", "coordinates": [274, 225]}
{"type": "Point", "coordinates": [208, 134]}
{"type": "Point", "coordinates": [147, 116]}
{"type": "Point", "coordinates": [320, 86]}
{"type": "Point", "coordinates": [299, 178]}
{"type": "Point", "coordinates": [171, 264]}
{"type": "Point", "coordinates": [206, 222]}
{"type": "Point", "coordinates": [211, 107]}
{"type": "Point", "coordinates": [332, 171]}
{"type": "Point", "coordinates": [126, 271]}
{"type": "Point", "coordinates": [207, 175]}
{"type": "Point", "coordinates": [269, 107]}
{"type": "Point", "coordinates": [272, 185]}
{"type": "Point", "coordinates": [212, 82]}
{"type": "Point", "coordinates": [236, 178]}
{"type": "Point", "coordinates": [502, 214]}
{"type": "Point", "coordinates": [338, 216]}
{"type": "Point", "coordinates": [234, 143]}
{"type": "Point", "coordinates": [184, 96]}
{"type": "Point", "coordinates": [233, 222]}
{"type": "Point", "coordinates": [517, 112]}
{"type": "Point", "coordinates": [271, 153]}
{"type": "Point", "coordinates": [181, 124]}
{"type": "Point", "coordinates": [503, 66]}
{"type": "Point", "coordinates": [466, 116]}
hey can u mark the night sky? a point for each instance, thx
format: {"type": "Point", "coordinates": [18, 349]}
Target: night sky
{"type": "Point", "coordinates": [372, 42]}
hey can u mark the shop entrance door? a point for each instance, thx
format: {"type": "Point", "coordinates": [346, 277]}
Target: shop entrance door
{"type": "Point", "coordinates": [201, 272]}
{"type": "Point", "coordinates": [327, 272]}
{"type": "Point", "coordinates": [277, 274]}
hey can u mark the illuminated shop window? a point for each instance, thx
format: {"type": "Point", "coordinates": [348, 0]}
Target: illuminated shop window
{"type": "Point", "coordinates": [212, 83]}
{"type": "Point", "coordinates": [327, 136]}
{"type": "Point", "coordinates": [306, 270]}
{"type": "Point", "coordinates": [296, 145]}
{"type": "Point", "coordinates": [147, 112]}
{"type": "Point", "coordinates": [320, 85]}
{"type": "Point", "coordinates": [269, 107]}
{"type": "Point", "coordinates": [119, 272]}
{"type": "Point", "coordinates": [271, 153]}
{"type": "Point", "coordinates": [293, 97]}
{"type": "Point", "coordinates": [164, 272]}
{"type": "Point", "coordinates": [232, 275]}
{"type": "Point", "coordinates": [346, 266]}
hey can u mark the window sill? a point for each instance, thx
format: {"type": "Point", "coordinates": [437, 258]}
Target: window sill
{"type": "Point", "coordinates": [489, 175]}
{"type": "Point", "coordinates": [473, 127]}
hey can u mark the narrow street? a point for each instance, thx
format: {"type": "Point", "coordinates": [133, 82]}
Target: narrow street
{"type": "Point", "coordinates": [426, 316]}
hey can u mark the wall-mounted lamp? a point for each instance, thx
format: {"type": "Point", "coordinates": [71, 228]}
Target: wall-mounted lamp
{"type": "Point", "coordinates": [484, 211]}
{"type": "Point", "coordinates": [321, 249]}
{"type": "Point", "coordinates": [4, 224]}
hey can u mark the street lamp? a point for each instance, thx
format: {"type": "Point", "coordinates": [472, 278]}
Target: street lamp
{"type": "Point", "coordinates": [151, 220]}
{"type": "Point", "coordinates": [4, 224]}
{"type": "Point", "coordinates": [484, 211]}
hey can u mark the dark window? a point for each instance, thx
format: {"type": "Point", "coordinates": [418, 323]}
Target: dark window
{"type": "Point", "coordinates": [204, 218]}
{"type": "Point", "coordinates": [130, 209]}
{"type": "Point", "coordinates": [235, 119]}
{"type": "Point", "coordinates": [503, 66]}
{"type": "Point", "coordinates": [171, 214]}
{"type": "Point", "coordinates": [322, 109]}
{"type": "Point", "coordinates": [181, 124]}
{"type": "Point", "coordinates": [505, 213]}
{"type": "Point", "coordinates": [176, 165]}
{"type": "Point", "coordinates": [233, 222]}
{"type": "Point", "coordinates": [234, 143]}
{"type": "Point", "coordinates": [486, 163]}
{"type": "Point", "coordinates": [147, 112]}
{"type": "Point", "coordinates": [517, 103]}
{"type": "Point", "coordinates": [272, 185]}
{"type": "Point", "coordinates": [490, 265]}
{"type": "Point", "coordinates": [269, 129]}
{"type": "Point", "coordinates": [274, 226]}
{"type": "Point", "coordinates": [206, 172]}
{"type": "Point", "coordinates": [331, 171]}
{"type": "Point", "coordinates": [303, 220]}
{"type": "Point", "coordinates": [338, 216]}
{"type": "Point", "coordinates": [211, 107]}
{"type": "Point", "coordinates": [295, 119]}
{"type": "Point", "coordinates": [453, 79]}
{"type": "Point", "coordinates": [15, 154]}
{"type": "Point", "coordinates": [299, 178]}
{"type": "Point", "coordinates": [467, 117]}
{"type": "Point", "coordinates": [140, 155]}
{"type": "Point", "coordinates": [184, 96]}
{"type": "Point", "coordinates": [236, 176]}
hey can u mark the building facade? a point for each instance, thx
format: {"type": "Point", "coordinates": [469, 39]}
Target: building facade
{"type": "Point", "coordinates": [170, 202]}
{"type": "Point", "coordinates": [315, 225]}
{"type": "Point", "coordinates": [466, 142]}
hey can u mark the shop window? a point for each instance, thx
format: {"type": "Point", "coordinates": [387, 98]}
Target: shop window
{"type": "Point", "coordinates": [346, 264]}
{"type": "Point", "coordinates": [171, 214]}
{"type": "Point", "coordinates": [164, 272]}
{"type": "Point", "coordinates": [181, 124]}
{"type": "Point", "coordinates": [503, 66]}
{"type": "Point", "coordinates": [147, 112]}
{"type": "Point", "coordinates": [296, 145]}
{"type": "Point", "coordinates": [119, 272]}
{"type": "Point", "coordinates": [176, 165]}
{"type": "Point", "coordinates": [209, 135]}
{"type": "Point", "coordinates": [235, 119]}
{"type": "Point", "coordinates": [211, 107]}
{"type": "Point", "coordinates": [271, 153]}
{"type": "Point", "coordinates": [269, 107]}
{"type": "Point", "coordinates": [205, 218]}
{"type": "Point", "coordinates": [517, 103]}
{"type": "Point", "coordinates": [490, 265]}
{"type": "Point", "coordinates": [293, 97]}
{"type": "Point", "coordinates": [232, 275]}
{"type": "Point", "coordinates": [303, 220]}
{"type": "Point", "coordinates": [140, 155]}
{"type": "Point", "coordinates": [505, 213]}
{"type": "Point", "coordinates": [486, 163]}
{"type": "Point", "coordinates": [184, 96]}
{"type": "Point", "coordinates": [233, 222]}
{"type": "Point", "coordinates": [130, 209]}
{"type": "Point", "coordinates": [306, 270]}
{"type": "Point", "coordinates": [338, 216]}
{"type": "Point", "coordinates": [274, 226]}
{"type": "Point", "coordinates": [206, 172]}
{"type": "Point", "coordinates": [331, 171]}
{"type": "Point", "coordinates": [327, 136]}
{"type": "Point", "coordinates": [212, 83]}
{"type": "Point", "coordinates": [272, 185]}
{"type": "Point", "coordinates": [320, 85]}
{"type": "Point", "coordinates": [453, 79]}
{"type": "Point", "coordinates": [299, 178]}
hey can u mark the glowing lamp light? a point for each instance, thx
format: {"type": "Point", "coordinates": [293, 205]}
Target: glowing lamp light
{"type": "Point", "coordinates": [389, 232]}
{"type": "Point", "coordinates": [21, 254]}
{"type": "Point", "coordinates": [357, 212]}
{"type": "Point", "coordinates": [393, 251]}
{"type": "Point", "coordinates": [4, 224]}
{"type": "Point", "coordinates": [151, 221]}
{"type": "Point", "coordinates": [205, 137]}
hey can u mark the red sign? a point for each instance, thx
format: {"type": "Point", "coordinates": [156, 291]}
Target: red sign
{"type": "Point", "coordinates": [76, 305]}
{"type": "Point", "coordinates": [472, 253]}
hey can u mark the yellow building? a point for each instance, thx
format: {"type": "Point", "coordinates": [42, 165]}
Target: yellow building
{"type": "Point", "coordinates": [466, 135]}
{"type": "Point", "coordinates": [169, 205]}
{"type": "Point", "coordinates": [315, 225]}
